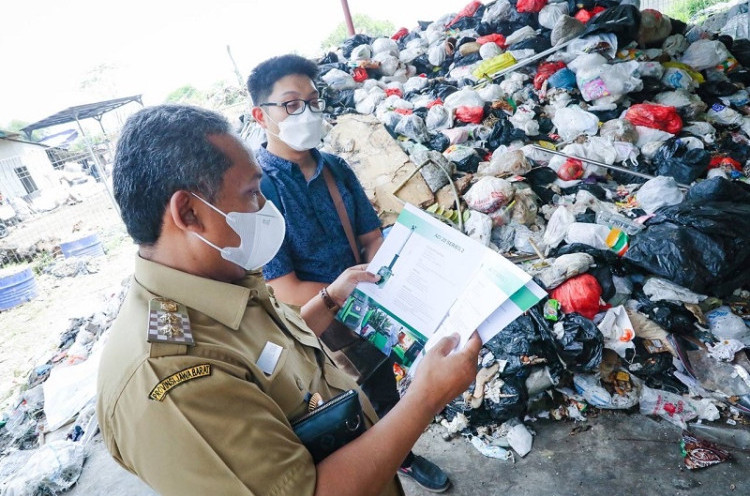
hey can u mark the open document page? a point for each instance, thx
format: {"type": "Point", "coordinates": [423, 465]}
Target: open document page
{"type": "Point", "coordinates": [435, 281]}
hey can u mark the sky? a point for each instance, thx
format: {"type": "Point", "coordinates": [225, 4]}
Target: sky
{"type": "Point", "coordinates": [48, 48]}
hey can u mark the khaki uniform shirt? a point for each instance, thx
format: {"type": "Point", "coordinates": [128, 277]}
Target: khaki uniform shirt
{"type": "Point", "coordinates": [223, 427]}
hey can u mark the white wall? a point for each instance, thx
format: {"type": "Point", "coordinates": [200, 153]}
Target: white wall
{"type": "Point", "coordinates": [15, 154]}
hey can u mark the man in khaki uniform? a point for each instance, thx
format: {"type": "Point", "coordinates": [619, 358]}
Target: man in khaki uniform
{"type": "Point", "coordinates": [203, 369]}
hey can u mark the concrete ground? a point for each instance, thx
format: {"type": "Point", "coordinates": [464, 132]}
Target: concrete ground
{"type": "Point", "coordinates": [613, 453]}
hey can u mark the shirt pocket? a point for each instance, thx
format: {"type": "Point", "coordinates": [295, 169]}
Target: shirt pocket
{"type": "Point", "coordinates": [290, 382]}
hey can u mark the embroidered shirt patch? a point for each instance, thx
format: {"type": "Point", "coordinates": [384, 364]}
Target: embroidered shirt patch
{"type": "Point", "coordinates": [160, 390]}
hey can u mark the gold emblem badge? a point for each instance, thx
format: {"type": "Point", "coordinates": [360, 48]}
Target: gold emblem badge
{"type": "Point", "coordinates": [168, 322]}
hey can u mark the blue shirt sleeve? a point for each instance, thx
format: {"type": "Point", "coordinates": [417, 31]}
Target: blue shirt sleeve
{"type": "Point", "coordinates": [365, 219]}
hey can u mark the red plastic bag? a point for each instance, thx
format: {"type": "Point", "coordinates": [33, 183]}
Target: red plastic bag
{"type": "Point", "coordinates": [400, 34]}
{"type": "Point", "coordinates": [655, 116]}
{"type": "Point", "coordinates": [467, 11]}
{"type": "Point", "coordinates": [530, 5]}
{"type": "Point", "coordinates": [545, 70]}
{"type": "Point", "coordinates": [403, 111]}
{"type": "Point", "coordinates": [393, 91]}
{"type": "Point", "coordinates": [470, 115]}
{"type": "Point", "coordinates": [570, 170]}
{"type": "Point", "coordinates": [585, 16]}
{"type": "Point", "coordinates": [360, 74]}
{"type": "Point", "coordinates": [722, 161]}
{"type": "Point", "coordinates": [433, 103]}
{"type": "Point", "coordinates": [579, 294]}
{"type": "Point", "coordinates": [495, 38]}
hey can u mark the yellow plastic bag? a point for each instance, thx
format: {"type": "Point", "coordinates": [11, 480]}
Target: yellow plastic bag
{"type": "Point", "coordinates": [490, 66]}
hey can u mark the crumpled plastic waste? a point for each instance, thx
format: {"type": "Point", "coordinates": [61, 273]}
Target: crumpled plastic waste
{"type": "Point", "coordinates": [645, 210]}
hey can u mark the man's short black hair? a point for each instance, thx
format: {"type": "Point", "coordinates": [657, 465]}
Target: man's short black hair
{"type": "Point", "coordinates": [264, 76]}
{"type": "Point", "coordinates": [161, 150]}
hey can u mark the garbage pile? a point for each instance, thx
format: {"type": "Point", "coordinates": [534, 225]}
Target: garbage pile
{"type": "Point", "coordinates": [44, 434]}
{"type": "Point", "coordinates": [606, 149]}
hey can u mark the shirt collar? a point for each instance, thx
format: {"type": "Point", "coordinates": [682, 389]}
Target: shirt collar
{"type": "Point", "coordinates": [271, 163]}
{"type": "Point", "coordinates": [223, 302]}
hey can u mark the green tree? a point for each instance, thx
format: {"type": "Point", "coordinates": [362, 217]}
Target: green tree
{"type": "Point", "coordinates": [16, 125]}
{"type": "Point", "coordinates": [184, 94]}
{"type": "Point", "coordinates": [362, 24]}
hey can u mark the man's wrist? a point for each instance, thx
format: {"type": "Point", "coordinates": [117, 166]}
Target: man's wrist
{"type": "Point", "coordinates": [329, 302]}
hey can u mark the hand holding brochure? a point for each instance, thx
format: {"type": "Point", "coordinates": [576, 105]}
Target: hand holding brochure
{"type": "Point", "coordinates": [435, 281]}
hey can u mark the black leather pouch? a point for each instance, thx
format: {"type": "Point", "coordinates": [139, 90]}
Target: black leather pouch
{"type": "Point", "coordinates": [330, 426]}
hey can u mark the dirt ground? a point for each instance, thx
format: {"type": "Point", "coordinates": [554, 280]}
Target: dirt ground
{"type": "Point", "coordinates": [615, 453]}
{"type": "Point", "coordinates": [30, 333]}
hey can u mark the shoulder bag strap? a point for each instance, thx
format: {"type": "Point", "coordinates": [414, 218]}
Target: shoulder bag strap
{"type": "Point", "coordinates": [338, 202]}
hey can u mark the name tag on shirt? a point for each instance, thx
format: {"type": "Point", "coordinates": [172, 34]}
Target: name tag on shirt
{"type": "Point", "coordinates": [269, 357]}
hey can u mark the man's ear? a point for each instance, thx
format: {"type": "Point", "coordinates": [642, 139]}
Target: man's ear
{"type": "Point", "coordinates": [259, 116]}
{"type": "Point", "coordinates": [181, 209]}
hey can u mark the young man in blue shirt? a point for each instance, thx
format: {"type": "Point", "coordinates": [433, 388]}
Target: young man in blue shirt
{"type": "Point", "coordinates": [316, 249]}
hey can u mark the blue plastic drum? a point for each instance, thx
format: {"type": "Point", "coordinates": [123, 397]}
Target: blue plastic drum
{"type": "Point", "coordinates": [17, 288]}
{"type": "Point", "coordinates": [86, 246]}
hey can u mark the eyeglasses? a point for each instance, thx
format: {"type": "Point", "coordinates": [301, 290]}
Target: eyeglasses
{"type": "Point", "coordinates": [295, 107]}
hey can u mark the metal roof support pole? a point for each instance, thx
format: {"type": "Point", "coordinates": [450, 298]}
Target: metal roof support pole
{"type": "Point", "coordinates": [348, 17]}
{"type": "Point", "coordinates": [97, 165]}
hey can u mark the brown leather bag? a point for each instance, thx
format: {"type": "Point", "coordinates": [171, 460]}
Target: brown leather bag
{"type": "Point", "coordinates": [352, 353]}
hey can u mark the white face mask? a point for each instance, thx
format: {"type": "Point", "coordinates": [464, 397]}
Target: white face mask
{"type": "Point", "coordinates": [261, 234]}
{"type": "Point", "coordinates": [301, 132]}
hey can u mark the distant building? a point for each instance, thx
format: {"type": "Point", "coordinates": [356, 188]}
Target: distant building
{"type": "Point", "coordinates": [25, 167]}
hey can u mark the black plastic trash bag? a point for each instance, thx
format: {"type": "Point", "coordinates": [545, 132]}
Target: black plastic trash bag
{"type": "Point", "coordinates": [741, 51]}
{"type": "Point", "coordinates": [527, 336]}
{"type": "Point", "coordinates": [703, 246]}
{"type": "Point", "coordinates": [438, 142]}
{"type": "Point", "coordinates": [719, 189]}
{"type": "Point", "coordinates": [513, 400]}
{"type": "Point", "coordinates": [581, 344]}
{"type": "Point", "coordinates": [503, 133]}
{"type": "Point", "coordinates": [675, 160]}
{"type": "Point", "coordinates": [353, 42]}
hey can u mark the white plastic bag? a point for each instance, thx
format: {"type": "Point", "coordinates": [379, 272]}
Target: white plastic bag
{"type": "Point", "coordinates": [479, 227]}
{"type": "Point", "coordinates": [658, 289]}
{"type": "Point", "coordinates": [589, 234]}
{"type": "Point", "coordinates": [669, 406]}
{"type": "Point", "coordinates": [491, 93]}
{"type": "Point", "coordinates": [589, 386]}
{"type": "Point", "coordinates": [557, 226]}
{"type": "Point", "coordinates": [512, 162]}
{"type": "Point", "coordinates": [573, 121]}
{"type": "Point", "coordinates": [415, 83]}
{"type": "Point", "coordinates": [659, 192]}
{"type": "Point", "coordinates": [438, 117]}
{"type": "Point", "coordinates": [550, 13]}
{"type": "Point", "coordinates": [51, 469]}
{"type": "Point", "coordinates": [564, 267]}
{"type": "Point", "coordinates": [489, 50]}
{"type": "Point", "coordinates": [339, 80]}
{"type": "Point", "coordinates": [705, 54]}
{"type": "Point", "coordinates": [489, 194]}
{"type": "Point", "coordinates": [617, 330]}
{"type": "Point", "coordinates": [385, 45]}
{"type": "Point", "coordinates": [361, 52]}
{"type": "Point", "coordinates": [465, 97]}
{"type": "Point", "coordinates": [520, 439]}
{"type": "Point", "coordinates": [436, 54]}
{"type": "Point", "coordinates": [724, 324]}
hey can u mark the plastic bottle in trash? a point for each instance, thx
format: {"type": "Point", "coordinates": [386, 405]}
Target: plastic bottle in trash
{"type": "Point", "coordinates": [619, 221]}
{"type": "Point", "coordinates": [618, 241]}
